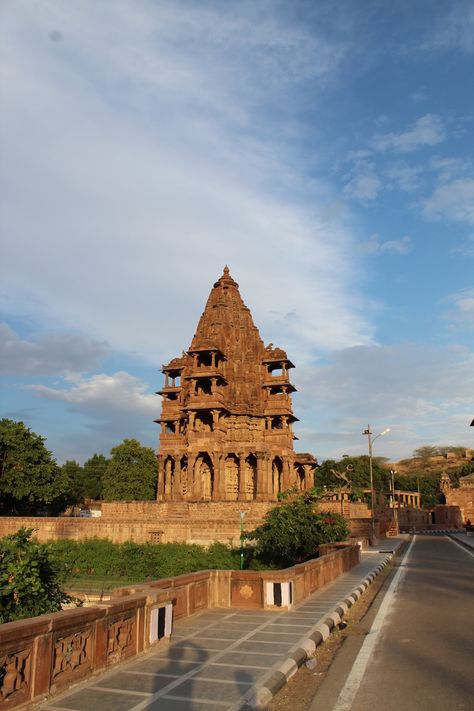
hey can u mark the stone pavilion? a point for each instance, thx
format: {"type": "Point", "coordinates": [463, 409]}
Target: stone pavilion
{"type": "Point", "coordinates": [227, 416]}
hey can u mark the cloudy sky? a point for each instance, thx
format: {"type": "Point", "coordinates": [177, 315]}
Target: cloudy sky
{"type": "Point", "coordinates": [323, 150]}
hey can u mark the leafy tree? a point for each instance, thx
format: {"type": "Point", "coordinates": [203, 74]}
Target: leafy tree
{"type": "Point", "coordinates": [463, 470]}
{"type": "Point", "coordinates": [93, 473]}
{"type": "Point", "coordinates": [73, 472]}
{"type": "Point", "coordinates": [426, 452]}
{"type": "Point", "coordinates": [30, 579]}
{"type": "Point", "coordinates": [131, 473]}
{"type": "Point", "coordinates": [292, 532]}
{"type": "Point", "coordinates": [29, 476]}
{"type": "Point", "coordinates": [357, 470]}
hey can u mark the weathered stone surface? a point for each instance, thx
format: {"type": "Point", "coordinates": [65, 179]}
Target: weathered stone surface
{"type": "Point", "coordinates": [226, 423]}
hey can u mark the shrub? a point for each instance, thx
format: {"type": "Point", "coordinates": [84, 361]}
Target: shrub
{"type": "Point", "coordinates": [292, 532]}
{"type": "Point", "coordinates": [30, 578]}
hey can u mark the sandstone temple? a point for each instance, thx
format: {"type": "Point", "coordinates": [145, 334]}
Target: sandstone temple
{"type": "Point", "coordinates": [227, 417]}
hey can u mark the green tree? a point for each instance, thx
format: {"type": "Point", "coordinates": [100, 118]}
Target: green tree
{"type": "Point", "coordinates": [463, 470]}
{"type": "Point", "coordinates": [292, 532]}
{"type": "Point", "coordinates": [356, 469]}
{"type": "Point", "coordinates": [29, 476]}
{"type": "Point", "coordinates": [131, 473]}
{"type": "Point", "coordinates": [30, 579]}
{"type": "Point", "coordinates": [426, 452]}
{"type": "Point", "coordinates": [93, 473]}
{"type": "Point", "coordinates": [74, 473]}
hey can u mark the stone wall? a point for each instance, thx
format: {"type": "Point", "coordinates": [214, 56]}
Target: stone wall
{"type": "Point", "coordinates": [464, 499]}
{"type": "Point", "coordinates": [184, 522]}
{"type": "Point", "coordinates": [42, 656]}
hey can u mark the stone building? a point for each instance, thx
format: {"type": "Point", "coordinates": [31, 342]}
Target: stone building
{"type": "Point", "coordinates": [227, 417]}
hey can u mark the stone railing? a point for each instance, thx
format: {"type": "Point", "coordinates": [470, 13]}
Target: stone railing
{"type": "Point", "coordinates": [42, 656]}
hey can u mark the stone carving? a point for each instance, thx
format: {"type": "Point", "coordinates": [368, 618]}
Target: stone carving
{"type": "Point", "coordinates": [121, 638]}
{"type": "Point", "coordinates": [15, 673]}
{"type": "Point", "coordinates": [227, 411]}
{"type": "Point", "coordinates": [246, 592]}
{"type": "Point", "coordinates": [72, 653]}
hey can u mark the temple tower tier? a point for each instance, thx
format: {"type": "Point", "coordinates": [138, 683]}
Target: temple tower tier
{"type": "Point", "coordinates": [227, 416]}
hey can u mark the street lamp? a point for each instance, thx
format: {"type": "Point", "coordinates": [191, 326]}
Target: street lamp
{"type": "Point", "coordinates": [242, 516]}
{"type": "Point", "coordinates": [370, 441]}
{"type": "Point", "coordinates": [395, 510]}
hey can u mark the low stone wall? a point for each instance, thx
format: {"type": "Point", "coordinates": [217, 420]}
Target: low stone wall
{"type": "Point", "coordinates": [44, 655]}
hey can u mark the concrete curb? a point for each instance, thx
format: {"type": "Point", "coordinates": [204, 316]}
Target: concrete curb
{"type": "Point", "coordinates": [306, 647]}
{"type": "Point", "coordinates": [465, 544]}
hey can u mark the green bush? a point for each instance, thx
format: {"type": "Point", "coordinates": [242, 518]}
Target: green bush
{"type": "Point", "coordinates": [292, 532]}
{"type": "Point", "coordinates": [30, 578]}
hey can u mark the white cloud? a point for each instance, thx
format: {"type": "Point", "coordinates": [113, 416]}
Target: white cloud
{"type": "Point", "coordinates": [462, 311]}
{"type": "Point", "coordinates": [145, 147]}
{"type": "Point", "coordinates": [421, 392]}
{"type": "Point", "coordinates": [448, 169]}
{"type": "Point", "coordinates": [48, 353]}
{"type": "Point", "coordinates": [400, 247]}
{"type": "Point", "coordinates": [454, 30]}
{"type": "Point", "coordinates": [104, 397]}
{"type": "Point", "coordinates": [364, 184]}
{"type": "Point", "coordinates": [428, 130]}
{"type": "Point", "coordinates": [405, 177]}
{"type": "Point", "coordinates": [453, 200]}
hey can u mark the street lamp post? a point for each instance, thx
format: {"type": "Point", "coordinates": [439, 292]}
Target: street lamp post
{"type": "Point", "coordinates": [395, 510]}
{"type": "Point", "coordinates": [242, 516]}
{"type": "Point", "coordinates": [370, 441]}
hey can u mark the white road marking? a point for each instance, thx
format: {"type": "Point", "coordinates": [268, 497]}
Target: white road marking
{"type": "Point", "coordinates": [353, 681]}
{"type": "Point", "coordinates": [460, 546]}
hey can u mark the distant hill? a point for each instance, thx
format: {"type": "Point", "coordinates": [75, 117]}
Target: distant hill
{"type": "Point", "coordinates": [434, 465]}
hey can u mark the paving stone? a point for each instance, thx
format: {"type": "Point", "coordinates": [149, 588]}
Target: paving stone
{"type": "Point", "coordinates": [90, 698]}
{"type": "Point", "coordinates": [211, 690]}
{"type": "Point", "coordinates": [168, 666]}
{"type": "Point", "coordinates": [136, 682]}
{"type": "Point", "coordinates": [249, 658]}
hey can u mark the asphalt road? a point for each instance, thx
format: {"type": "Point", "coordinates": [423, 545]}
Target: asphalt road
{"type": "Point", "coordinates": [418, 650]}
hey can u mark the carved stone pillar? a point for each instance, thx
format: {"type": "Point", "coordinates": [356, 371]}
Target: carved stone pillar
{"type": "Point", "coordinates": [285, 475]}
{"type": "Point", "coordinates": [176, 494]}
{"type": "Point", "coordinates": [215, 414]}
{"type": "Point", "coordinates": [192, 415]}
{"type": "Point", "coordinates": [242, 496]}
{"type": "Point", "coordinates": [161, 479]}
{"type": "Point", "coordinates": [260, 495]}
{"type": "Point", "coordinates": [217, 464]}
{"type": "Point", "coordinates": [197, 493]}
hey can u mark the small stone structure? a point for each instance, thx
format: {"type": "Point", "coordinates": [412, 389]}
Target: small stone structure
{"type": "Point", "coordinates": [463, 497]}
{"type": "Point", "coordinates": [226, 422]}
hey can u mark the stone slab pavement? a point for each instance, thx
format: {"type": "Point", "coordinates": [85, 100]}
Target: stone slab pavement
{"type": "Point", "coordinates": [225, 659]}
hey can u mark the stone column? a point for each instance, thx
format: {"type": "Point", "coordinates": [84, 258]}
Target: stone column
{"type": "Point", "coordinates": [285, 474]}
{"type": "Point", "coordinates": [192, 415]}
{"type": "Point", "coordinates": [161, 479]}
{"type": "Point", "coordinates": [215, 413]}
{"type": "Point", "coordinates": [176, 492]}
{"type": "Point", "coordinates": [216, 462]}
{"type": "Point", "coordinates": [242, 496]}
{"type": "Point", "coordinates": [260, 495]}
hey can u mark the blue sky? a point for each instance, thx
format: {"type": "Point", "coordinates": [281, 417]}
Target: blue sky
{"type": "Point", "coordinates": [323, 150]}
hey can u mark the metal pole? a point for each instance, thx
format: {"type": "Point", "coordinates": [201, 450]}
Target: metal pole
{"type": "Point", "coordinates": [372, 508]}
{"type": "Point", "coordinates": [242, 514]}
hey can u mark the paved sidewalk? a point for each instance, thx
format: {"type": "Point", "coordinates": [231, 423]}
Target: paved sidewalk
{"type": "Point", "coordinates": [224, 660]}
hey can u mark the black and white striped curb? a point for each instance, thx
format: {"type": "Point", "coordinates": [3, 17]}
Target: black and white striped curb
{"type": "Point", "coordinates": [261, 697]}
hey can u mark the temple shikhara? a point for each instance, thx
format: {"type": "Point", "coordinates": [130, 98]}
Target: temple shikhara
{"type": "Point", "coordinates": [227, 417]}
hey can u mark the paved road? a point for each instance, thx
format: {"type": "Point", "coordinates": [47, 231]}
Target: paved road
{"type": "Point", "coordinates": [419, 654]}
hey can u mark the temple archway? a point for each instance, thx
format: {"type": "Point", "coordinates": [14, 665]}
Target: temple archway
{"type": "Point", "coordinates": [204, 473]}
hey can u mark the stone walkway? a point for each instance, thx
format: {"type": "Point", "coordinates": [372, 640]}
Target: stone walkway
{"type": "Point", "coordinates": [216, 660]}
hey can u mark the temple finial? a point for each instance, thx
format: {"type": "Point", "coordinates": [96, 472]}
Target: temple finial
{"type": "Point", "coordinates": [226, 270]}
